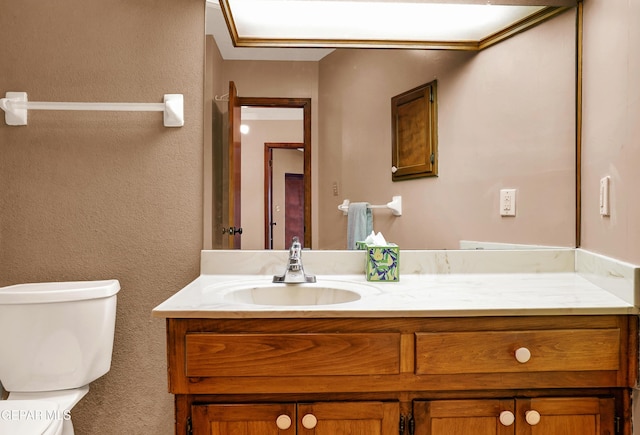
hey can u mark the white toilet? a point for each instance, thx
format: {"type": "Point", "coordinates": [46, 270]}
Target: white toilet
{"type": "Point", "coordinates": [56, 338]}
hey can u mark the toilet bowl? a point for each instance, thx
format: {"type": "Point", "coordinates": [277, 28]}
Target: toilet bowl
{"type": "Point", "coordinates": [57, 338]}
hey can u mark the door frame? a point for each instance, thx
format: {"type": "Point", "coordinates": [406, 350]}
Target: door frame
{"type": "Point", "coordinates": [305, 105]}
{"type": "Point", "coordinates": [235, 169]}
{"type": "Point", "coordinates": [268, 187]}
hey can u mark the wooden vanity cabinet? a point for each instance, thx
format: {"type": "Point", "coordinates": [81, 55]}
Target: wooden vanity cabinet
{"type": "Point", "coordinates": [438, 376]}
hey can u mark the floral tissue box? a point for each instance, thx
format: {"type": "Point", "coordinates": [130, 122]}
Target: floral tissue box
{"type": "Point", "coordinates": [382, 263]}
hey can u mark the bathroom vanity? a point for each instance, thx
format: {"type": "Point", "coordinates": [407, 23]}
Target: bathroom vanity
{"type": "Point", "coordinates": [506, 352]}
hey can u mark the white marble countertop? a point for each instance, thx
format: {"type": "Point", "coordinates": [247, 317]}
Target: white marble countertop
{"type": "Point", "coordinates": [414, 296]}
{"type": "Point", "coordinates": [521, 289]}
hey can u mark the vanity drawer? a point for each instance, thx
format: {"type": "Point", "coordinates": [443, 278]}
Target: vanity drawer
{"type": "Point", "coordinates": [279, 355]}
{"type": "Point", "coordinates": [566, 350]}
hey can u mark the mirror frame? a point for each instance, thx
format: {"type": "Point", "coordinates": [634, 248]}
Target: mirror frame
{"type": "Point", "coordinates": [578, 145]}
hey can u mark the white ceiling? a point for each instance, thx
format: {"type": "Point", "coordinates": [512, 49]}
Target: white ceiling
{"type": "Point", "coordinates": [216, 26]}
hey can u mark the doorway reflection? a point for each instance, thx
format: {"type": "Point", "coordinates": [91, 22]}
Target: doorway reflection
{"type": "Point", "coordinates": [284, 194]}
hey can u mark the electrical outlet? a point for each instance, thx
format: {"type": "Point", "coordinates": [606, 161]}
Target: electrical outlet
{"type": "Point", "coordinates": [507, 202]}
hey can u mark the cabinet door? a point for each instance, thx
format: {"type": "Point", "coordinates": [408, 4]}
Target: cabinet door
{"type": "Point", "coordinates": [455, 417]}
{"type": "Point", "coordinates": [565, 416]}
{"type": "Point", "coordinates": [349, 418]}
{"type": "Point", "coordinates": [244, 419]}
{"type": "Point", "coordinates": [542, 416]}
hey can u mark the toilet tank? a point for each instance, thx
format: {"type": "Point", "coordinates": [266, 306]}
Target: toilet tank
{"type": "Point", "coordinates": [56, 336]}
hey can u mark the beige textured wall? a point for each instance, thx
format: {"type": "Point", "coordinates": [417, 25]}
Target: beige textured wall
{"type": "Point", "coordinates": [89, 195]}
{"type": "Point", "coordinates": [505, 120]}
{"type": "Point", "coordinates": [611, 127]}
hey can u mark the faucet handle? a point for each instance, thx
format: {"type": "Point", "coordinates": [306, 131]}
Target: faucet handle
{"type": "Point", "coordinates": [296, 247]}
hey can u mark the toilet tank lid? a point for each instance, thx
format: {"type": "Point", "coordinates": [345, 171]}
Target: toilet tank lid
{"type": "Point", "coordinates": [47, 292]}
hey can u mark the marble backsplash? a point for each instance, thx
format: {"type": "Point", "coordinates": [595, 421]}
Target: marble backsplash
{"type": "Point", "coordinates": [620, 278]}
{"type": "Point", "coordinates": [229, 262]}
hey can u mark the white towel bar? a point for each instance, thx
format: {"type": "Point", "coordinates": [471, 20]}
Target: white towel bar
{"type": "Point", "coordinates": [395, 205]}
{"type": "Point", "coordinates": [16, 105]}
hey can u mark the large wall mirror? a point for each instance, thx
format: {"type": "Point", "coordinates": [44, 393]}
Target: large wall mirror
{"type": "Point", "coordinates": [506, 120]}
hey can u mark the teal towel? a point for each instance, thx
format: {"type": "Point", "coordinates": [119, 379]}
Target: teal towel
{"type": "Point", "coordinates": [359, 223]}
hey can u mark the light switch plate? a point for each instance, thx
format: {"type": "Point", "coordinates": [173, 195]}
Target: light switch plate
{"type": "Point", "coordinates": [604, 196]}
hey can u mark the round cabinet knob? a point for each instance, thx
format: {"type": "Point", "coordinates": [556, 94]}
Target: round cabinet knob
{"type": "Point", "coordinates": [523, 355]}
{"type": "Point", "coordinates": [507, 418]}
{"type": "Point", "coordinates": [309, 421]}
{"type": "Point", "coordinates": [532, 417]}
{"type": "Point", "coordinates": [283, 422]}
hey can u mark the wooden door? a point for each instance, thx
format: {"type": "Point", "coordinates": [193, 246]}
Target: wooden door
{"type": "Point", "coordinates": [270, 193]}
{"type": "Point", "coordinates": [457, 417]}
{"type": "Point", "coordinates": [566, 416]}
{"type": "Point", "coordinates": [259, 419]}
{"type": "Point", "coordinates": [235, 169]}
{"type": "Point", "coordinates": [349, 418]}
{"type": "Point", "coordinates": [293, 208]}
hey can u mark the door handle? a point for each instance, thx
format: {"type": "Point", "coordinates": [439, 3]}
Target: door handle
{"type": "Point", "coordinates": [231, 230]}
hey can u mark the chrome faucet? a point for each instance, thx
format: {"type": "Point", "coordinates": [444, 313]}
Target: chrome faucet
{"type": "Point", "coordinates": [294, 274]}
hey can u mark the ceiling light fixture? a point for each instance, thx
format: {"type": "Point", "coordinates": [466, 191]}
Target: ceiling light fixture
{"type": "Point", "coordinates": [459, 25]}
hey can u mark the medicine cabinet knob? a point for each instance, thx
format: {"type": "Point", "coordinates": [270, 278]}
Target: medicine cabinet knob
{"type": "Point", "coordinates": [523, 355]}
{"type": "Point", "coordinates": [532, 417]}
{"type": "Point", "coordinates": [283, 422]}
{"type": "Point", "coordinates": [394, 169]}
{"type": "Point", "coordinates": [507, 418]}
{"type": "Point", "coordinates": [309, 421]}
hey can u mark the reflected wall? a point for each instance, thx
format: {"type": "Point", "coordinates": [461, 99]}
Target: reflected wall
{"type": "Point", "coordinates": [506, 119]}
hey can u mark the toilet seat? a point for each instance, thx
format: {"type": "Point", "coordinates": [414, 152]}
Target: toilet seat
{"type": "Point", "coordinates": [30, 417]}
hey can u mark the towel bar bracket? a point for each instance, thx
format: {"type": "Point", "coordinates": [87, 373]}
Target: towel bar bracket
{"type": "Point", "coordinates": [15, 115]}
{"type": "Point", "coordinates": [395, 205]}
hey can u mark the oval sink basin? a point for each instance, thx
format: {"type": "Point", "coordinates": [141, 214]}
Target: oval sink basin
{"type": "Point", "coordinates": [291, 295]}
{"type": "Point", "coordinates": [267, 293]}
